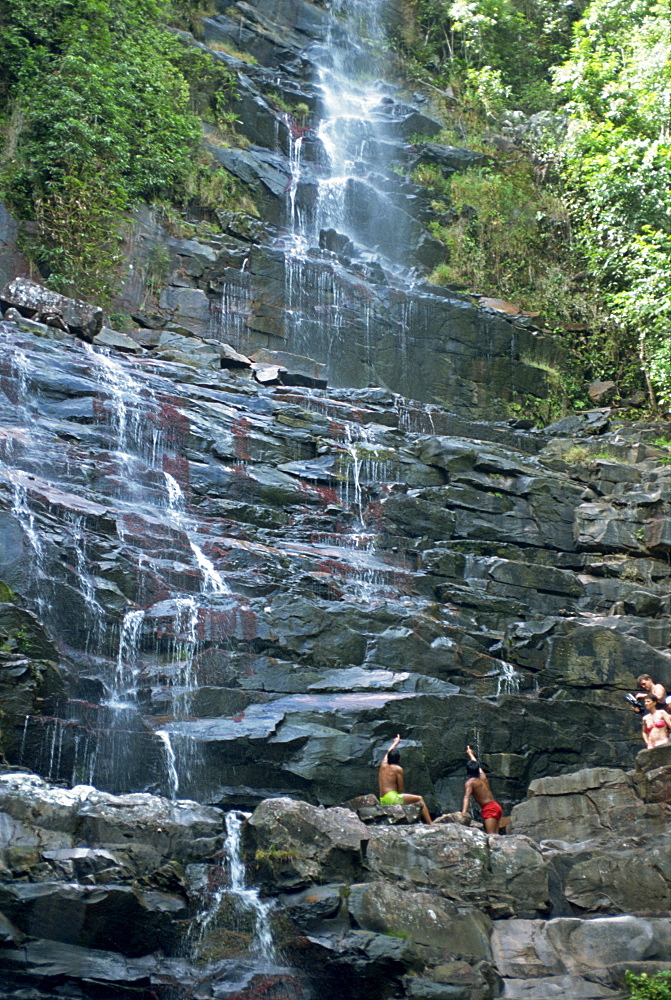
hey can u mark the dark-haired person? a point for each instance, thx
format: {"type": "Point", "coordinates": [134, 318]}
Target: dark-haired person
{"type": "Point", "coordinates": [390, 782]}
{"type": "Point", "coordinates": [477, 786]}
{"type": "Point", "coordinates": [657, 691]}
{"type": "Point", "coordinates": [656, 724]}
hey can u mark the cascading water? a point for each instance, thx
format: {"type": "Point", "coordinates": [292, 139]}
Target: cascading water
{"type": "Point", "coordinates": [246, 896]}
{"type": "Point", "coordinates": [345, 192]}
{"type": "Point", "coordinates": [146, 510]}
{"type": "Point", "coordinates": [171, 762]}
{"type": "Point", "coordinates": [135, 412]}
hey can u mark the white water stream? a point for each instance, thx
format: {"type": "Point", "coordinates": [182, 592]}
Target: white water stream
{"type": "Point", "coordinates": [247, 896]}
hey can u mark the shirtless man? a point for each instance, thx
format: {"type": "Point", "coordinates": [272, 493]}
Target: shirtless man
{"type": "Point", "coordinates": [390, 783]}
{"type": "Point", "coordinates": [477, 785]}
{"type": "Point", "coordinates": [657, 691]}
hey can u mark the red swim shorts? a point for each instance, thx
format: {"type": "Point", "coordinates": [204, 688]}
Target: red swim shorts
{"type": "Point", "coordinates": [492, 810]}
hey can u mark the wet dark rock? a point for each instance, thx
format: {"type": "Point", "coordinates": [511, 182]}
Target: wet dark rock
{"type": "Point", "coordinates": [448, 157]}
{"type": "Point", "coordinates": [336, 242]}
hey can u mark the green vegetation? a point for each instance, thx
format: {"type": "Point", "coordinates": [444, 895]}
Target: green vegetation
{"type": "Point", "coordinates": [274, 856]}
{"type": "Point", "coordinates": [102, 110]}
{"type": "Point", "coordinates": [643, 987]}
{"type": "Point", "coordinates": [570, 216]}
{"type": "Point", "coordinates": [497, 52]}
{"type": "Point", "coordinates": [577, 455]}
{"type": "Point", "coordinates": [616, 158]}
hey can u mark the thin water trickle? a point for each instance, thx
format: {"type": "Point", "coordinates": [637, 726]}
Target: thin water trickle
{"type": "Point", "coordinates": [213, 581]}
{"type": "Point", "coordinates": [21, 510]}
{"type": "Point", "coordinates": [24, 735]}
{"type": "Point", "coordinates": [171, 762]}
{"type": "Point", "coordinates": [508, 681]}
{"type": "Point", "coordinates": [121, 388]}
{"type": "Point", "coordinates": [127, 670]}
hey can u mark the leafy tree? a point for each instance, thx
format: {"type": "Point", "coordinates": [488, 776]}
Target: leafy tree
{"type": "Point", "coordinates": [617, 162]}
{"type": "Point", "coordinates": [504, 45]}
{"type": "Point", "coordinates": [101, 116]}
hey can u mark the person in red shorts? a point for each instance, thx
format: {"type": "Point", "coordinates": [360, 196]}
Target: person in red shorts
{"type": "Point", "coordinates": [477, 786]}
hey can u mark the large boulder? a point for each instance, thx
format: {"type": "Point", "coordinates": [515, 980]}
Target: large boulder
{"type": "Point", "coordinates": [142, 831]}
{"type": "Point", "coordinates": [577, 958]}
{"type": "Point", "coordinates": [500, 876]}
{"type": "Point", "coordinates": [32, 299]}
{"type": "Point", "coordinates": [294, 843]}
{"type": "Point", "coordinates": [420, 917]}
{"type": "Point", "coordinates": [581, 805]}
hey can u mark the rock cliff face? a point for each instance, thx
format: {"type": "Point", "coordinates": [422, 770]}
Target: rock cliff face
{"type": "Point", "coordinates": [336, 268]}
{"type": "Point", "coordinates": [232, 592]}
{"type": "Point", "coordinates": [252, 588]}
{"type": "Point", "coordinates": [245, 544]}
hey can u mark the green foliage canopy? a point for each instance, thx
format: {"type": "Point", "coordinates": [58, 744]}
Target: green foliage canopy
{"type": "Point", "coordinates": [497, 47]}
{"type": "Point", "coordinates": [101, 116]}
{"type": "Point", "coordinates": [617, 162]}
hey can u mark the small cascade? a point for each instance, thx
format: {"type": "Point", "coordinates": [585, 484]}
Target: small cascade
{"type": "Point", "coordinates": [230, 323]}
{"type": "Point", "coordinates": [171, 762]}
{"type": "Point", "coordinates": [368, 578]}
{"type": "Point", "coordinates": [84, 760]}
{"type": "Point", "coordinates": [213, 582]}
{"type": "Point", "coordinates": [87, 585]}
{"type": "Point", "coordinates": [508, 681]}
{"type": "Point", "coordinates": [121, 387]}
{"type": "Point", "coordinates": [247, 896]}
{"type": "Point", "coordinates": [353, 451]}
{"type": "Point", "coordinates": [21, 510]}
{"type": "Point", "coordinates": [125, 681]}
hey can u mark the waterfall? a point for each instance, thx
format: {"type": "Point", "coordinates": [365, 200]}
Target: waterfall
{"type": "Point", "coordinates": [125, 681]}
{"type": "Point", "coordinates": [171, 762]}
{"type": "Point", "coordinates": [343, 191]}
{"type": "Point", "coordinates": [247, 896]}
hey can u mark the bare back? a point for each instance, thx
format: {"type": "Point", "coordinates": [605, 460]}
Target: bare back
{"type": "Point", "coordinates": [390, 778]}
{"type": "Point", "coordinates": [480, 790]}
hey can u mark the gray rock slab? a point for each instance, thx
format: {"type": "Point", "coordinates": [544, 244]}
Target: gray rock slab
{"type": "Point", "coordinates": [82, 318]}
{"type": "Point", "coordinates": [422, 918]}
{"type": "Point", "coordinates": [558, 988]}
{"type": "Point", "coordinates": [119, 341]}
{"type": "Point", "coordinates": [189, 306]}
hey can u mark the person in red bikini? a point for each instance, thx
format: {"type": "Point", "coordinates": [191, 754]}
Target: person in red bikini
{"type": "Point", "coordinates": [477, 786]}
{"type": "Point", "coordinates": [656, 724]}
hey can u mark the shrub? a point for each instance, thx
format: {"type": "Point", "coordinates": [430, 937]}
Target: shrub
{"type": "Point", "coordinates": [644, 987]}
{"type": "Point", "coordinates": [104, 113]}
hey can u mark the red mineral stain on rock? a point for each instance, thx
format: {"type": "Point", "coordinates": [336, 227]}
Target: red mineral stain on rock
{"type": "Point", "coordinates": [241, 430]}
